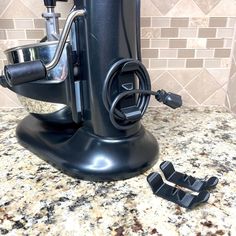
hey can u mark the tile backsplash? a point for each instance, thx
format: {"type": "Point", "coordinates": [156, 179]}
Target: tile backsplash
{"type": "Point", "coordinates": [188, 46]}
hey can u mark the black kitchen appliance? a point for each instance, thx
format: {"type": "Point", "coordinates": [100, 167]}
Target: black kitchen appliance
{"type": "Point", "coordinates": [93, 70]}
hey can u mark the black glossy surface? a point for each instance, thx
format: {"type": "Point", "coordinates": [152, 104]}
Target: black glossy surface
{"type": "Point", "coordinates": [83, 155]}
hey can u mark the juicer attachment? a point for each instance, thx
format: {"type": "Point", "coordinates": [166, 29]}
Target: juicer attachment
{"type": "Point", "coordinates": [36, 70]}
{"type": "Point", "coordinates": [34, 96]}
{"type": "Point", "coordinates": [52, 20]}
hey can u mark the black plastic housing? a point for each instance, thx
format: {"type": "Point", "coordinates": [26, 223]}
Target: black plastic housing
{"type": "Point", "coordinates": [26, 72]}
{"type": "Point", "coordinates": [111, 30]}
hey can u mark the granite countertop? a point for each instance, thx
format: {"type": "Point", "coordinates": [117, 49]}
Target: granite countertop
{"type": "Point", "coordinates": [36, 199]}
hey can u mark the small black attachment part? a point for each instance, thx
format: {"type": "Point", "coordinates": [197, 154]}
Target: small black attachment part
{"type": "Point", "coordinates": [186, 181]}
{"type": "Point", "coordinates": [131, 113]}
{"type": "Point", "coordinates": [175, 195]}
{"type": "Point", "coordinates": [3, 81]}
{"type": "Point", "coordinates": [169, 99]}
{"type": "Point", "coordinates": [52, 3]}
{"type": "Point", "coordinates": [25, 72]}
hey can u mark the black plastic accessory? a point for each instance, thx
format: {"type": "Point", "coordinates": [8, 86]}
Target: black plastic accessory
{"type": "Point", "coordinates": [21, 73]}
{"type": "Point", "coordinates": [186, 181]}
{"type": "Point", "coordinates": [175, 195]}
{"type": "Point", "coordinates": [52, 3]}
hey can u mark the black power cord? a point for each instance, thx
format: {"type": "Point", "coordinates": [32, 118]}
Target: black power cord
{"type": "Point", "coordinates": [117, 116]}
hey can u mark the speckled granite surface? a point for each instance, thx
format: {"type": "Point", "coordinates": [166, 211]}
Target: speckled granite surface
{"type": "Point", "coordinates": [36, 199]}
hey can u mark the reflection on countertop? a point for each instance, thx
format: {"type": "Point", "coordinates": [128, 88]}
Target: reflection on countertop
{"type": "Point", "coordinates": [36, 199]}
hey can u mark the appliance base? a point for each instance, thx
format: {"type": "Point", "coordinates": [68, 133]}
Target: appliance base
{"type": "Point", "coordinates": [80, 154]}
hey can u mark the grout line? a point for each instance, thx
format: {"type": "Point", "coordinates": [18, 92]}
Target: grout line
{"type": "Point", "coordinates": [201, 71]}
{"type": "Point", "coordinates": [175, 80]}
{"type": "Point", "coordinates": [186, 91]}
{"type": "Point", "coordinates": [10, 2]}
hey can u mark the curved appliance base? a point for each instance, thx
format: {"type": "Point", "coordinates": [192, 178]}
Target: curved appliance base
{"type": "Point", "coordinates": [83, 155]}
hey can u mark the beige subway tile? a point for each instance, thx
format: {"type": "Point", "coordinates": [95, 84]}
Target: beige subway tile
{"type": "Point", "coordinates": [161, 22]}
{"type": "Point", "coordinates": [207, 33]}
{"type": "Point", "coordinates": [39, 24]}
{"type": "Point", "coordinates": [168, 53]}
{"type": "Point", "coordinates": [212, 63]}
{"type": "Point", "coordinates": [178, 43]}
{"type": "Point", "coordinates": [16, 34]}
{"type": "Point", "coordinates": [145, 43]}
{"type": "Point", "coordinates": [25, 42]}
{"type": "Point", "coordinates": [226, 62]}
{"type": "Point", "coordinates": [176, 63]}
{"type": "Point", "coordinates": [228, 43]}
{"type": "Point", "coordinates": [225, 33]}
{"type": "Point", "coordinates": [215, 43]}
{"type": "Point", "coordinates": [169, 32]}
{"type": "Point", "coordinates": [3, 34]}
{"type": "Point", "coordinates": [150, 33]}
{"type": "Point", "coordinates": [231, 22]}
{"type": "Point", "coordinates": [197, 43]}
{"type": "Point", "coordinates": [200, 22]}
{"type": "Point", "coordinates": [149, 53]}
{"type": "Point", "coordinates": [160, 43]}
{"type": "Point", "coordinates": [146, 62]}
{"type": "Point", "coordinates": [6, 44]}
{"type": "Point", "coordinates": [179, 22]}
{"type": "Point", "coordinates": [6, 24]}
{"type": "Point", "coordinates": [34, 34]}
{"type": "Point", "coordinates": [186, 53]}
{"type": "Point", "coordinates": [188, 32]}
{"type": "Point", "coordinates": [194, 63]}
{"type": "Point", "coordinates": [24, 24]}
{"type": "Point", "coordinates": [217, 22]}
{"type": "Point", "coordinates": [205, 53]}
{"type": "Point", "coordinates": [145, 21]}
{"type": "Point", "coordinates": [222, 53]}
{"type": "Point", "coordinates": [158, 63]}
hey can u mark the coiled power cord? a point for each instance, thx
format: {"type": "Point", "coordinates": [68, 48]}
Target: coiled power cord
{"type": "Point", "coordinates": [117, 116]}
